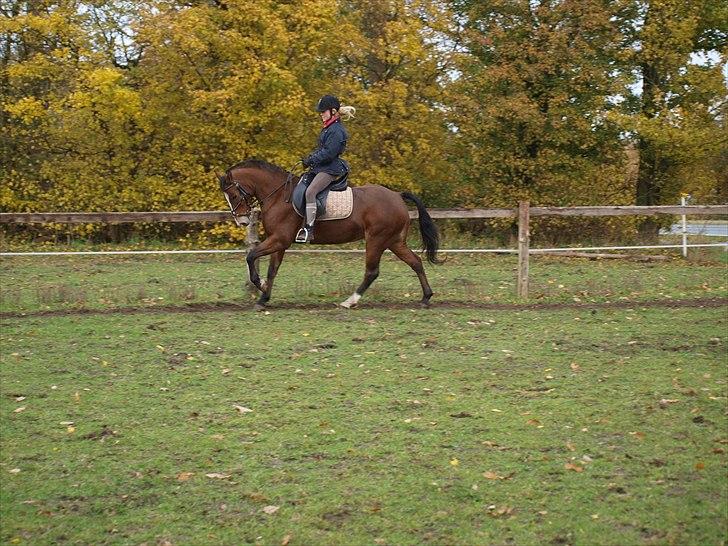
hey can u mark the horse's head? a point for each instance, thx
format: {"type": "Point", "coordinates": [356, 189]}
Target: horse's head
{"type": "Point", "coordinates": [238, 198]}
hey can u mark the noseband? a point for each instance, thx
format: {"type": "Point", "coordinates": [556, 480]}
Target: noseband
{"type": "Point", "coordinates": [241, 197]}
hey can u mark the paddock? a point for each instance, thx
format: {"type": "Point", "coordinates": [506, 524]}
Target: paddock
{"type": "Point", "coordinates": [143, 402]}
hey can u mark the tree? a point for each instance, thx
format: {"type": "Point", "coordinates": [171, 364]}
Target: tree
{"type": "Point", "coordinates": [71, 124]}
{"type": "Point", "coordinates": [679, 118]}
{"type": "Point", "coordinates": [392, 65]}
{"type": "Point", "coordinates": [532, 97]}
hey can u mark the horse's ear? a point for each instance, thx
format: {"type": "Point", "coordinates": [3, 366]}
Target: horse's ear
{"type": "Point", "coordinates": [222, 179]}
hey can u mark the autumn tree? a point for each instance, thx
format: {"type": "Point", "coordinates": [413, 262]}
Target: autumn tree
{"type": "Point", "coordinates": [679, 102]}
{"type": "Point", "coordinates": [120, 105]}
{"type": "Point", "coordinates": [531, 100]}
{"type": "Point", "coordinates": [393, 67]}
{"type": "Point", "coordinates": [72, 125]}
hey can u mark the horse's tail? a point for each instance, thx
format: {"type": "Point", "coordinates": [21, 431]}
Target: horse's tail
{"type": "Point", "coordinates": [428, 229]}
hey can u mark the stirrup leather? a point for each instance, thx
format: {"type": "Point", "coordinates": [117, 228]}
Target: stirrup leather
{"type": "Point", "coordinates": [305, 235]}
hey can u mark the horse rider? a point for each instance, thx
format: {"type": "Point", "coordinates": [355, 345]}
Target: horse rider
{"type": "Point", "coordinates": [324, 162]}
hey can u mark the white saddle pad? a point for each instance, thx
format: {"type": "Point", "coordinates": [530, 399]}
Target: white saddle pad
{"type": "Point", "coordinates": [339, 204]}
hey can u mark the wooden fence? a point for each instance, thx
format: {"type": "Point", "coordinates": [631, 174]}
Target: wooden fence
{"type": "Point", "coordinates": [456, 214]}
{"type": "Point", "coordinates": [524, 213]}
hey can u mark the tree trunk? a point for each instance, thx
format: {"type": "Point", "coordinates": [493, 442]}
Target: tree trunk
{"type": "Point", "coordinates": [648, 191]}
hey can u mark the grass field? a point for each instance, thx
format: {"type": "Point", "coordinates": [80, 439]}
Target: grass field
{"type": "Point", "coordinates": [475, 422]}
{"type": "Point", "coordinates": [86, 282]}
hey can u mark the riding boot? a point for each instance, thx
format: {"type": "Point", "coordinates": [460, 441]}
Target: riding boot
{"type": "Point", "coordinates": [305, 234]}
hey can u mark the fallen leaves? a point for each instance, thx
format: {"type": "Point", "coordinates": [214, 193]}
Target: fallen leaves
{"type": "Point", "coordinates": [488, 475]}
{"type": "Point", "coordinates": [574, 467]}
{"type": "Point", "coordinates": [255, 496]}
{"type": "Point", "coordinates": [242, 409]}
{"type": "Point", "coordinates": [184, 476]}
{"type": "Point", "coordinates": [218, 475]}
{"type": "Point", "coordinates": [501, 512]}
{"type": "Point", "coordinates": [270, 509]}
{"type": "Point", "coordinates": [19, 410]}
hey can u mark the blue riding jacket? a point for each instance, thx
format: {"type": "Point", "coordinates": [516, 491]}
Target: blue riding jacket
{"type": "Point", "coordinates": [331, 144]}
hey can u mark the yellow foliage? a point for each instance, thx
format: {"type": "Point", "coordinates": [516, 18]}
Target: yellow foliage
{"type": "Point", "coordinates": [461, 116]}
{"type": "Point", "coordinates": [26, 109]}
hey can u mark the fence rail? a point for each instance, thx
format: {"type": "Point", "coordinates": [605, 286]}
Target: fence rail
{"type": "Point", "coordinates": [456, 214]}
{"type": "Point", "coordinates": [524, 213]}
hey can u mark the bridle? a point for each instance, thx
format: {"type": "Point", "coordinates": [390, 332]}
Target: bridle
{"type": "Point", "coordinates": [242, 196]}
{"type": "Point", "coordinates": [254, 203]}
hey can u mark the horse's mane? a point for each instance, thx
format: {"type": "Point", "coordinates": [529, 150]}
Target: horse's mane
{"type": "Point", "coordinates": [257, 164]}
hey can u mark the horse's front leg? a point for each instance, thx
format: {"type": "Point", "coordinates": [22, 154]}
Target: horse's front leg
{"type": "Point", "coordinates": [269, 246]}
{"type": "Point", "coordinates": [267, 285]}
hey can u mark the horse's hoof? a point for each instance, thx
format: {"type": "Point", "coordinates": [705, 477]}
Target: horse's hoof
{"type": "Point", "coordinates": [424, 305]}
{"type": "Point", "coordinates": [259, 307]}
{"type": "Point", "coordinates": [351, 301]}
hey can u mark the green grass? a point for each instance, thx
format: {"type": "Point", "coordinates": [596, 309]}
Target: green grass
{"type": "Point", "coordinates": [92, 282]}
{"type": "Point", "coordinates": [373, 426]}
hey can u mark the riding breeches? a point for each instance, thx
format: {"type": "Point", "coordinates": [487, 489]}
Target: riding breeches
{"type": "Point", "coordinates": [318, 184]}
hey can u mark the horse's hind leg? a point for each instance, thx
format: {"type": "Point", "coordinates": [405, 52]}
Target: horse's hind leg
{"type": "Point", "coordinates": [404, 253]}
{"type": "Point", "coordinates": [267, 287]}
{"type": "Point", "coordinates": [373, 257]}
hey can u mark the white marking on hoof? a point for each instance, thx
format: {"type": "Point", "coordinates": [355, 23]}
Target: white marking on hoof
{"type": "Point", "coordinates": [352, 301]}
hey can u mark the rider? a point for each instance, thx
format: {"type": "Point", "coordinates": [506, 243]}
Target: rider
{"type": "Point", "coordinates": [324, 162]}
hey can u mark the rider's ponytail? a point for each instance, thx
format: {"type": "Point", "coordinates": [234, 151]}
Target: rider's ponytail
{"type": "Point", "coordinates": [347, 111]}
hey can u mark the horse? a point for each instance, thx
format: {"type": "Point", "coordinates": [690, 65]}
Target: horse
{"type": "Point", "coordinates": [380, 216]}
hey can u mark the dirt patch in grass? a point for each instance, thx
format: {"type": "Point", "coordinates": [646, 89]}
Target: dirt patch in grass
{"type": "Point", "coordinates": [247, 306]}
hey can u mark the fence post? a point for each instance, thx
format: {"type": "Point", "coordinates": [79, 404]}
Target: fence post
{"type": "Point", "coordinates": [683, 202]}
{"type": "Point", "coordinates": [523, 246]}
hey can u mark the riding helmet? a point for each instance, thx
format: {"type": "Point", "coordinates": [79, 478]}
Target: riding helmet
{"type": "Point", "coordinates": [327, 102]}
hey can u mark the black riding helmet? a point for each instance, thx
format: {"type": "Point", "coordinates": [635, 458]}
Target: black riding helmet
{"type": "Point", "coordinates": [327, 102]}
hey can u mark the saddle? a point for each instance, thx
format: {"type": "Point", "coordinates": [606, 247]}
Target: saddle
{"type": "Point", "coordinates": [339, 202]}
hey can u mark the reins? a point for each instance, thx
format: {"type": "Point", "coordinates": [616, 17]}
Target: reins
{"type": "Point", "coordinates": [289, 179]}
{"type": "Point", "coordinates": [251, 200]}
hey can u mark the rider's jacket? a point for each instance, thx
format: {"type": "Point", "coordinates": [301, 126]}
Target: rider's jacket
{"type": "Point", "coordinates": [331, 144]}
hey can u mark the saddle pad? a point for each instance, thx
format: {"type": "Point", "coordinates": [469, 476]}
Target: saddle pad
{"type": "Point", "coordinates": [339, 205]}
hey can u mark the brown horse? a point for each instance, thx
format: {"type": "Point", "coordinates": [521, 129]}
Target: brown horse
{"type": "Point", "coordinates": [379, 216]}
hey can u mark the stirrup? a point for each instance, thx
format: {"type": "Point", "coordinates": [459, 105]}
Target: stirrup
{"type": "Point", "coordinates": [305, 235]}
